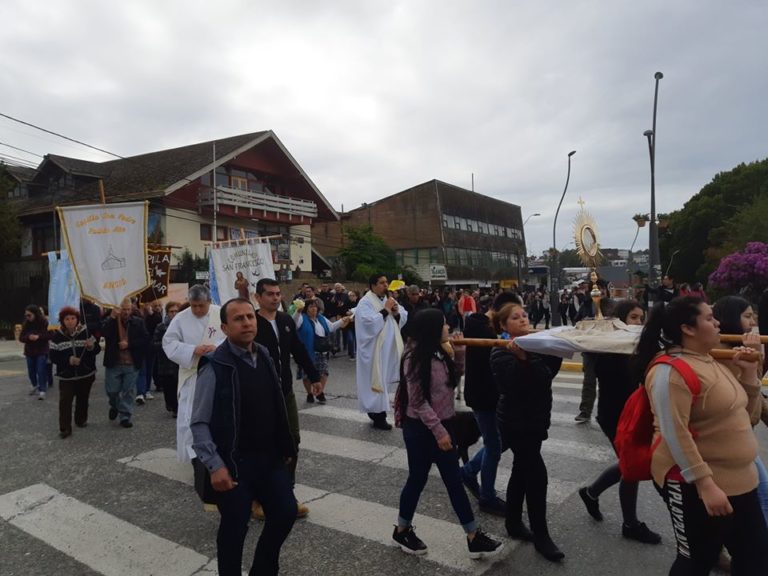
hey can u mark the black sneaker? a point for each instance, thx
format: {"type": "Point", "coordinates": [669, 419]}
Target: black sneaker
{"type": "Point", "coordinates": [583, 418]}
{"type": "Point", "coordinates": [483, 546]}
{"type": "Point", "coordinates": [382, 424]}
{"type": "Point", "coordinates": [471, 483]}
{"type": "Point", "coordinates": [592, 504]}
{"type": "Point", "coordinates": [321, 398]}
{"type": "Point", "coordinates": [495, 506]}
{"type": "Point", "coordinates": [126, 423]}
{"type": "Point", "coordinates": [640, 532]}
{"type": "Point", "coordinates": [409, 542]}
{"type": "Point", "coordinates": [112, 413]}
{"type": "Point", "coordinates": [310, 399]}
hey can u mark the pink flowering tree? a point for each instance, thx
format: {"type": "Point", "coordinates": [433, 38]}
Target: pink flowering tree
{"type": "Point", "coordinates": [744, 272]}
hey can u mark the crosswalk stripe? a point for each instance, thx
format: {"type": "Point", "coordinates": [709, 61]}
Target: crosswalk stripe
{"type": "Point", "coordinates": [344, 513]}
{"type": "Point", "coordinates": [393, 457]}
{"type": "Point", "coordinates": [103, 542]}
{"type": "Point", "coordinates": [350, 447]}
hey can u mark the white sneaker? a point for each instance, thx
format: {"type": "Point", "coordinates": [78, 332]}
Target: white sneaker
{"type": "Point", "coordinates": [149, 396]}
{"type": "Point", "coordinates": [33, 391]}
{"type": "Point", "coordinates": [41, 396]}
{"type": "Point", "coordinates": [140, 399]}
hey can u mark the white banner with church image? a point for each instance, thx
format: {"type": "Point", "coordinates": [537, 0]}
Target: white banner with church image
{"type": "Point", "coordinates": [236, 268]}
{"type": "Point", "coordinates": [107, 244]}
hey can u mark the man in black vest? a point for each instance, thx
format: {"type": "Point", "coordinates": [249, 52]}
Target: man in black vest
{"type": "Point", "coordinates": [277, 333]}
{"type": "Point", "coordinates": [242, 436]}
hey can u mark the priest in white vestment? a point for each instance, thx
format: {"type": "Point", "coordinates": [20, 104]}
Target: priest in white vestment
{"type": "Point", "coordinates": [378, 320]}
{"type": "Point", "coordinates": [192, 333]}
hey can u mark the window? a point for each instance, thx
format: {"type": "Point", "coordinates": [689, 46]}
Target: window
{"type": "Point", "coordinates": [446, 221]}
{"type": "Point", "coordinates": [206, 232]}
{"type": "Point", "coordinates": [239, 183]}
{"type": "Point", "coordinates": [457, 222]}
{"type": "Point", "coordinates": [221, 233]}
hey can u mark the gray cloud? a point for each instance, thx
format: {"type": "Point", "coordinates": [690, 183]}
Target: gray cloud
{"type": "Point", "coordinates": [374, 97]}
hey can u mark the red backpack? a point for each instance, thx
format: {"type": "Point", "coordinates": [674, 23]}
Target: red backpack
{"type": "Point", "coordinates": [634, 433]}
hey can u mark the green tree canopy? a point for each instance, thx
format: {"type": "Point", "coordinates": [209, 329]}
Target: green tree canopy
{"type": "Point", "coordinates": [720, 219]}
{"type": "Point", "coordinates": [365, 253]}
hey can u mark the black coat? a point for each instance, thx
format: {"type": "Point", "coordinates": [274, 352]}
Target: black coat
{"type": "Point", "coordinates": [480, 391]}
{"type": "Point", "coordinates": [525, 392]}
{"type": "Point", "coordinates": [281, 352]}
{"type": "Point", "coordinates": [165, 368]}
{"type": "Point", "coordinates": [138, 341]}
{"type": "Point", "coordinates": [64, 345]}
{"type": "Point", "coordinates": [616, 386]}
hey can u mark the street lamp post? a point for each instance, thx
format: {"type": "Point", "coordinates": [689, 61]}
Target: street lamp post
{"type": "Point", "coordinates": [553, 297]}
{"type": "Point", "coordinates": [653, 230]}
{"type": "Point", "coordinates": [518, 254]}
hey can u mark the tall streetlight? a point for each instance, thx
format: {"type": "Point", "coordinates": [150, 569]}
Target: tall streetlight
{"type": "Point", "coordinates": [518, 254]}
{"type": "Point", "coordinates": [553, 298]}
{"type": "Point", "coordinates": [653, 241]}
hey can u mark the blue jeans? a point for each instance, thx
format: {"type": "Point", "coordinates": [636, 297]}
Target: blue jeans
{"type": "Point", "coordinates": [762, 486]}
{"type": "Point", "coordinates": [349, 336]}
{"type": "Point", "coordinates": [422, 451]}
{"type": "Point", "coordinates": [37, 368]}
{"type": "Point", "coordinates": [144, 382]}
{"type": "Point", "coordinates": [486, 461]}
{"type": "Point", "coordinates": [259, 478]}
{"type": "Point", "coordinates": [120, 384]}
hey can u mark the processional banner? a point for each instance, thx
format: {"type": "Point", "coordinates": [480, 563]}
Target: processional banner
{"type": "Point", "coordinates": [159, 265]}
{"type": "Point", "coordinates": [62, 288]}
{"type": "Point", "coordinates": [236, 268]}
{"type": "Point", "coordinates": [107, 244]}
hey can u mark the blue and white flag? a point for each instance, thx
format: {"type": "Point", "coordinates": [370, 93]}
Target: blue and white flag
{"type": "Point", "coordinates": [62, 288]}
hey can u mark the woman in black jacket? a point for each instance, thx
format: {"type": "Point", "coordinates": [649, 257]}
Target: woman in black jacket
{"type": "Point", "coordinates": [73, 350]}
{"type": "Point", "coordinates": [616, 386]}
{"type": "Point", "coordinates": [524, 381]}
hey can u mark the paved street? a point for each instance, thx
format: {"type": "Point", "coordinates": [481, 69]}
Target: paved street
{"type": "Point", "coordinates": [114, 501]}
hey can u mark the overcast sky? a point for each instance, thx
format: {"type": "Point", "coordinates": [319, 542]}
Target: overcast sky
{"type": "Point", "coordinates": [373, 97]}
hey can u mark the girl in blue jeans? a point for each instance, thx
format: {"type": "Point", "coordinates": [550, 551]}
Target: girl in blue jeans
{"type": "Point", "coordinates": [424, 399]}
{"type": "Point", "coordinates": [34, 335]}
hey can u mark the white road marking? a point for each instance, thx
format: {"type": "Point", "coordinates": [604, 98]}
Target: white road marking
{"type": "Point", "coordinates": [395, 457]}
{"type": "Point", "coordinates": [103, 542]}
{"type": "Point", "coordinates": [346, 514]}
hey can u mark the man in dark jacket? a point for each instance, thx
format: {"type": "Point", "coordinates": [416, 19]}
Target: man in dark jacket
{"type": "Point", "coordinates": [481, 395]}
{"type": "Point", "coordinates": [277, 333]}
{"type": "Point", "coordinates": [242, 436]}
{"type": "Point", "coordinates": [125, 344]}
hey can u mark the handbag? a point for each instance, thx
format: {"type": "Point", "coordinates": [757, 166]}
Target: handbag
{"type": "Point", "coordinates": [203, 485]}
{"type": "Point", "coordinates": [322, 344]}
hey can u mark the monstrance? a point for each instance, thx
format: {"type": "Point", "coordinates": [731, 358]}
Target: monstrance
{"type": "Point", "coordinates": [588, 249]}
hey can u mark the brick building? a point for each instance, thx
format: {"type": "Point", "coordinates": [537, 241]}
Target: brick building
{"type": "Point", "coordinates": [449, 235]}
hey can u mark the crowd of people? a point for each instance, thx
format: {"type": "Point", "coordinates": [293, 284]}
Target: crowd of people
{"type": "Point", "coordinates": [226, 377]}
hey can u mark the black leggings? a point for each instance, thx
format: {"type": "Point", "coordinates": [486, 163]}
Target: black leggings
{"type": "Point", "coordinates": [627, 491]}
{"type": "Point", "coordinates": [701, 536]}
{"type": "Point", "coordinates": [528, 482]}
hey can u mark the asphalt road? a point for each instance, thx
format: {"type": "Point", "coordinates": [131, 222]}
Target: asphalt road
{"type": "Point", "coordinates": [113, 501]}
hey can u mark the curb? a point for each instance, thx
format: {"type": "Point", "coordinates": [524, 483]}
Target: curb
{"type": "Point", "coordinates": [11, 357]}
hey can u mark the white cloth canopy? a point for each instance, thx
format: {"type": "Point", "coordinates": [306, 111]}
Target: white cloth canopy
{"type": "Point", "coordinates": [610, 335]}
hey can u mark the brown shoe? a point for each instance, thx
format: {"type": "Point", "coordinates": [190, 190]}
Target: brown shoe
{"type": "Point", "coordinates": [301, 510]}
{"type": "Point", "coordinates": [257, 511]}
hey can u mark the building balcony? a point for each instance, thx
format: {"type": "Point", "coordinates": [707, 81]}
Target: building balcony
{"type": "Point", "coordinates": [257, 203]}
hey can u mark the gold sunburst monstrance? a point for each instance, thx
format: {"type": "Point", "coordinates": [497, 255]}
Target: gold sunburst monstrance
{"type": "Point", "coordinates": [588, 249]}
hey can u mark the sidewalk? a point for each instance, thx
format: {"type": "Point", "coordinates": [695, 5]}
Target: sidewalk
{"type": "Point", "coordinates": [11, 350]}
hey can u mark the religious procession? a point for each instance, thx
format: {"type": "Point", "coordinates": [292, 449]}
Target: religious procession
{"type": "Point", "coordinates": [679, 381]}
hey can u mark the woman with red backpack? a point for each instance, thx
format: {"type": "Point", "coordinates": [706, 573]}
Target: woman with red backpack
{"type": "Point", "coordinates": [703, 461]}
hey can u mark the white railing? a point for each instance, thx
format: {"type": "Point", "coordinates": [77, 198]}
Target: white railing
{"type": "Point", "coordinates": [254, 201]}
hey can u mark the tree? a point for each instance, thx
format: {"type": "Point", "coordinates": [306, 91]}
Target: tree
{"type": "Point", "coordinates": [188, 265]}
{"type": "Point", "coordinates": [10, 239]}
{"type": "Point", "coordinates": [744, 273]}
{"type": "Point", "coordinates": [702, 228]}
{"type": "Point", "coordinates": [365, 254]}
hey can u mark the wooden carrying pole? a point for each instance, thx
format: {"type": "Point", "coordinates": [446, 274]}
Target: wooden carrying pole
{"type": "Point", "coordinates": [739, 339]}
{"type": "Point", "coordinates": [716, 353]}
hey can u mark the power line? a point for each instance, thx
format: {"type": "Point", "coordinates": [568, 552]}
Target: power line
{"type": "Point", "coordinates": [20, 149]}
{"type": "Point", "coordinates": [62, 136]}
